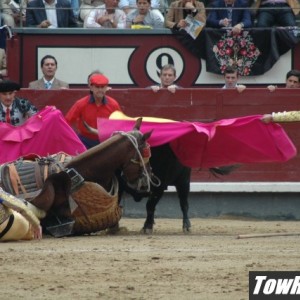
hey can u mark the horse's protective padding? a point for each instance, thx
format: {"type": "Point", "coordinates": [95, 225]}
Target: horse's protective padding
{"type": "Point", "coordinates": [25, 178]}
{"type": "Point", "coordinates": [97, 209]}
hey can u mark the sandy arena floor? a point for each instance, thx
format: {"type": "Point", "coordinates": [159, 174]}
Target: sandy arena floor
{"type": "Point", "coordinates": [209, 263]}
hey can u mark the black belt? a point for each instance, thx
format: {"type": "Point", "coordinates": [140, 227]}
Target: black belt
{"type": "Point", "coordinates": [8, 226]}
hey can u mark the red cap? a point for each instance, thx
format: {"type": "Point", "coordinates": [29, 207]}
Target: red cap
{"type": "Point", "coordinates": [99, 79]}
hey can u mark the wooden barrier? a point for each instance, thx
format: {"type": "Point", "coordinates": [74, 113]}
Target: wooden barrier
{"type": "Point", "coordinates": [204, 105]}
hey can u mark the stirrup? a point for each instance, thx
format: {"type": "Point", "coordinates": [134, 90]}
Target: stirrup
{"type": "Point", "coordinates": [76, 179]}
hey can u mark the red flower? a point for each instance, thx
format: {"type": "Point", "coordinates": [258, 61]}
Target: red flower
{"type": "Point", "coordinates": [220, 44]}
{"type": "Point", "coordinates": [250, 54]}
{"type": "Point", "coordinates": [230, 42]}
{"type": "Point", "coordinates": [223, 68]}
{"type": "Point", "coordinates": [246, 71]}
{"type": "Point", "coordinates": [243, 52]}
{"type": "Point", "coordinates": [229, 51]}
{"type": "Point", "coordinates": [243, 42]}
{"type": "Point", "coordinates": [222, 52]}
{"type": "Point", "coordinates": [252, 47]}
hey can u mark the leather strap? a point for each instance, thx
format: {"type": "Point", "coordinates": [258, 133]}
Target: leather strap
{"type": "Point", "coordinates": [14, 174]}
{"type": "Point", "coordinates": [8, 226]}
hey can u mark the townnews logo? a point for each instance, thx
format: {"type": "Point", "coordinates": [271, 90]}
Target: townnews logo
{"type": "Point", "coordinates": [274, 285]}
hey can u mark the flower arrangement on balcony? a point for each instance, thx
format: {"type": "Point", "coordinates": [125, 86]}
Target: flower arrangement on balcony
{"type": "Point", "coordinates": [236, 50]}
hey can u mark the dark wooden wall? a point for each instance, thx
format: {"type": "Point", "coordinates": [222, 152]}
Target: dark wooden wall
{"type": "Point", "coordinates": [202, 105]}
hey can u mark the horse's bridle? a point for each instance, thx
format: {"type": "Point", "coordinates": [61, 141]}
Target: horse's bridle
{"type": "Point", "coordinates": [141, 157]}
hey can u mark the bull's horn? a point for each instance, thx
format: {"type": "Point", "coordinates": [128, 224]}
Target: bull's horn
{"type": "Point", "coordinates": [89, 128]}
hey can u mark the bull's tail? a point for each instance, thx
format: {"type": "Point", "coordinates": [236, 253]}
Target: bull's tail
{"type": "Point", "coordinates": [223, 170]}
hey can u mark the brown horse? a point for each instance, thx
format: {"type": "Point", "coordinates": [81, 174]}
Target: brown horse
{"type": "Point", "coordinates": [77, 189]}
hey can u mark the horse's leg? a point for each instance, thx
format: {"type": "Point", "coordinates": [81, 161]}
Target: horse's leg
{"type": "Point", "coordinates": [55, 193]}
{"type": "Point", "coordinates": [45, 199]}
{"type": "Point", "coordinates": [150, 208]}
{"type": "Point", "coordinates": [183, 190]}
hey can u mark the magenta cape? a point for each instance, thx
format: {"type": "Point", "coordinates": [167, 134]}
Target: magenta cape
{"type": "Point", "coordinates": [45, 133]}
{"type": "Point", "coordinates": [220, 143]}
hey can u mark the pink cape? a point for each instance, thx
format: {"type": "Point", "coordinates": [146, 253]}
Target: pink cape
{"type": "Point", "coordinates": [45, 133]}
{"type": "Point", "coordinates": [220, 143]}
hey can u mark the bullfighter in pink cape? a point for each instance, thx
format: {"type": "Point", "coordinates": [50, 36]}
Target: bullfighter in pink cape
{"type": "Point", "coordinates": [25, 131]}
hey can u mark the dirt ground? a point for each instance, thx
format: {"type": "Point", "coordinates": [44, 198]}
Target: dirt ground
{"type": "Point", "coordinates": [208, 263]}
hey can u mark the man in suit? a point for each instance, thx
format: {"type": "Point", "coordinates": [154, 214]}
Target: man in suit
{"type": "Point", "coordinates": [49, 67]}
{"type": "Point", "coordinates": [50, 14]}
{"type": "Point", "coordinates": [180, 9]}
{"type": "Point", "coordinates": [230, 13]}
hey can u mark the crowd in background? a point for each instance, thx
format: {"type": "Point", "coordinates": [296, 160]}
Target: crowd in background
{"type": "Point", "coordinates": [155, 13]}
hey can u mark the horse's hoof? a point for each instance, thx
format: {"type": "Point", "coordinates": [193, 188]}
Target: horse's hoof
{"type": "Point", "coordinates": [186, 229]}
{"type": "Point", "coordinates": [114, 229]}
{"type": "Point", "coordinates": [146, 230]}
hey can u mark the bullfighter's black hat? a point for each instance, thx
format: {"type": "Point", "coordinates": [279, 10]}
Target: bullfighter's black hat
{"type": "Point", "coordinates": [8, 86]}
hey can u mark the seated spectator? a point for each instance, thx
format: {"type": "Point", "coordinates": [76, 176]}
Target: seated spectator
{"type": "Point", "coordinates": [229, 13]}
{"type": "Point", "coordinates": [231, 78]}
{"type": "Point", "coordinates": [129, 5]}
{"type": "Point", "coordinates": [179, 10]}
{"type": "Point", "coordinates": [50, 14]}
{"type": "Point", "coordinates": [106, 16]}
{"type": "Point", "coordinates": [143, 15]}
{"type": "Point", "coordinates": [75, 7]}
{"type": "Point", "coordinates": [3, 70]}
{"type": "Point", "coordinates": [292, 80]}
{"type": "Point", "coordinates": [87, 6]}
{"type": "Point", "coordinates": [49, 67]}
{"type": "Point", "coordinates": [277, 12]}
{"type": "Point", "coordinates": [12, 15]}
{"type": "Point", "coordinates": [167, 79]}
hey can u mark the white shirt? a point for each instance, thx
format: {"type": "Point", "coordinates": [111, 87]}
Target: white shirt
{"type": "Point", "coordinates": [152, 18]}
{"type": "Point", "coordinates": [51, 13]}
{"type": "Point", "coordinates": [226, 87]}
{"type": "Point", "coordinates": [50, 81]}
{"type": "Point", "coordinates": [91, 20]}
{"type": "Point", "coordinates": [132, 3]}
{"type": "Point", "coordinates": [5, 107]}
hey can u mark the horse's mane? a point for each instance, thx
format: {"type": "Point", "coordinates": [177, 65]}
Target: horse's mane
{"type": "Point", "coordinates": [99, 148]}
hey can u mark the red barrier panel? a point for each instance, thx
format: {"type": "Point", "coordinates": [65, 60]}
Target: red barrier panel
{"type": "Point", "coordinates": [204, 105]}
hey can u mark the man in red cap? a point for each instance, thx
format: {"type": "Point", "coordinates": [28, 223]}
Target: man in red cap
{"type": "Point", "coordinates": [89, 108]}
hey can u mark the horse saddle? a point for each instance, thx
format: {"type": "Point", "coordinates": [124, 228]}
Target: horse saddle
{"type": "Point", "coordinates": [25, 178]}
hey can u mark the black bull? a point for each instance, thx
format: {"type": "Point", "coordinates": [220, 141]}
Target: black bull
{"type": "Point", "coordinates": [166, 166]}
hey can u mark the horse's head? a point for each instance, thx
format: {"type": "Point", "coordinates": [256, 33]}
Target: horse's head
{"type": "Point", "coordinates": [136, 172]}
